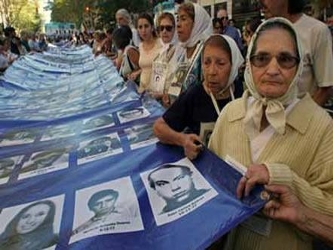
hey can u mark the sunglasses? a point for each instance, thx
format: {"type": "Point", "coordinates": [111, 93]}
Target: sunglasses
{"type": "Point", "coordinates": [224, 18]}
{"type": "Point", "coordinates": [168, 28]}
{"type": "Point", "coordinates": [285, 61]}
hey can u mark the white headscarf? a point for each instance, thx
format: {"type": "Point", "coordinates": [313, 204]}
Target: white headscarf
{"type": "Point", "coordinates": [202, 27]}
{"type": "Point", "coordinates": [275, 108]}
{"type": "Point", "coordinates": [237, 59]}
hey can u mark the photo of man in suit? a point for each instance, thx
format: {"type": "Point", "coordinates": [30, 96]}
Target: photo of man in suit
{"type": "Point", "coordinates": [175, 185]}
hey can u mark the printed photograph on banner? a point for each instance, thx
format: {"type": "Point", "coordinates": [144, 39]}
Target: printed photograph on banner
{"type": "Point", "coordinates": [178, 80]}
{"type": "Point", "coordinates": [31, 226]}
{"type": "Point", "coordinates": [59, 131]}
{"type": "Point", "coordinates": [98, 148]}
{"type": "Point", "coordinates": [99, 122]}
{"type": "Point", "coordinates": [116, 92]}
{"type": "Point", "coordinates": [158, 76]}
{"type": "Point", "coordinates": [141, 135]}
{"type": "Point", "coordinates": [44, 162]}
{"type": "Point", "coordinates": [18, 137]}
{"type": "Point", "coordinates": [128, 115]}
{"type": "Point", "coordinates": [175, 190]}
{"type": "Point", "coordinates": [107, 208]}
{"type": "Point", "coordinates": [7, 166]}
{"type": "Point", "coordinates": [206, 130]}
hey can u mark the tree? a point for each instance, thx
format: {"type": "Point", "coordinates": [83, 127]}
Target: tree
{"type": "Point", "coordinates": [21, 14]}
{"type": "Point", "coordinates": [98, 12]}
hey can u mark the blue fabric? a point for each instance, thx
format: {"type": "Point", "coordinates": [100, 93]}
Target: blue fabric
{"type": "Point", "coordinates": [38, 108]}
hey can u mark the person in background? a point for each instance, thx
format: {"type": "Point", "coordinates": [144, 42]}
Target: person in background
{"type": "Point", "coordinates": [99, 37]}
{"type": "Point", "coordinates": [249, 29]}
{"type": "Point", "coordinates": [150, 46]}
{"type": "Point", "coordinates": [232, 23]}
{"type": "Point", "coordinates": [82, 39]}
{"type": "Point", "coordinates": [108, 48]}
{"type": "Point", "coordinates": [42, 43]}
{"type": "Point", "coordinates": [260, 131]}
{"type": "Point", "coordinates": [196, 110]}
{"type": "Point", "coordinates": [19, 45]}
{"type": "Point", "coordinates": [6, 57]}
{"type": "Point", "coordinates": [129, 59]}
{"type": "Point", "coordinates": [123, 18]}
{"type": "Point", "coordinates": [230, 30]}
{"type": "Point", "coordinates": [10, 33]}
{"type": "Point", "coordinates": [194, 26]}
{"type": "Point", "coordinates": [217, 25]}
{"type": "Point", "coordinates": [317, 77]}
{"type": "Point", "coordinates": [25, 40]}
{"type": "Point", "coordinates": [164, 65]}
{"type": "Point", "coordinates": [33, 43]}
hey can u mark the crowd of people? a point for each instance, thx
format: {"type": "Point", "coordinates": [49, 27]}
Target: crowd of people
{"type": "Point", "coordinates": [13, 46]}
{"type": "Point", "coordinates": [255, 96]}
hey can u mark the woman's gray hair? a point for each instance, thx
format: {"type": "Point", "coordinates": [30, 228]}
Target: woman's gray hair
{"type": "Point", "coordinates": [124, 13]}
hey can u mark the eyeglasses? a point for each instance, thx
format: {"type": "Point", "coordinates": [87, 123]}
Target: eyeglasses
{"type": "Point", "coordinates": [168, 28]}
{"type": "Point", "coordinates": [285, 61]}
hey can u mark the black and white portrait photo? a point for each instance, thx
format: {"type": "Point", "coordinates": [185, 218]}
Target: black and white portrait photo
{"type": "Point", "coordinates": [176, 189]}
{"type": "Point", "coordinates": [99, 122]}
{"type": "Point", "coordinates": [17, 137]}
{"type": "Point", "coordinates": [44, 162]}
{"type": "Point", "coordinates": [7, 165]}
{"type": "Point", "coordinates": [141, 135]}
{"type": "Point", "coordinates": [132, 114]}
{"type": "Point", "coordinates": [97, 148]}
{"type": "Point", "coordinates": [59, 131]}
{"type": "Point", "coordinates": [31, 226]}
{"type": "Point", "coordinates": [106, 208]}
{"type": "Point", "coordinates": [206, 130]}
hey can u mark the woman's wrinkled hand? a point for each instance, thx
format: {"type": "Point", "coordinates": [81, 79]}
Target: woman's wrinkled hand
{"type": "Point", "coordinates": [255, 174]}
{"type": "Point", "coordinates": [192, 146]}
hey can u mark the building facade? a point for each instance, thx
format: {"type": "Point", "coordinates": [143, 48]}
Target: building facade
{"type": "Point", "coordinates": [239, 10]}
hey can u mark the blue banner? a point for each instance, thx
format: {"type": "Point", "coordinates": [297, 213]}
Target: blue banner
{"type": "Point", "coordinates": [80, 167]}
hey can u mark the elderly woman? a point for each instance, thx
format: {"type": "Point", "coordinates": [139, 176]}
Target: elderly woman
{"type": "Point", "coordinates": [123, 18]}
{"type": "Point", "coordinates": [164, 65]}
{"type": "Point", "coordinates": [194, 26]}
{"type": "Point", "coordinates": [197, 109]}
{"type": "Point", "coordinates": [31, 228]}
{"type": "Point", "coordinates": [279, 138]}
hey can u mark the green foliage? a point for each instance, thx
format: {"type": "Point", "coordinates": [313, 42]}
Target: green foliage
{"type": "Point", "coordinates": [93, 13]}
{"type": "Point", "coordinates": [21, 14]}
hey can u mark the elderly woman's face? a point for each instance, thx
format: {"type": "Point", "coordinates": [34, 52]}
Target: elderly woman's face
{"type": "Point", "coordinates": [166, 30]}
{"type": "Point", "coordinates": [121, 20]}
{"type": "Point", "coordinates": [216, 68]}
{"type": "Point", "coordinates": [184, 26]}
{"type": "Point", "coordinates": [32, 218]}
{"type": "Point", "coordinates": [274, 63]}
